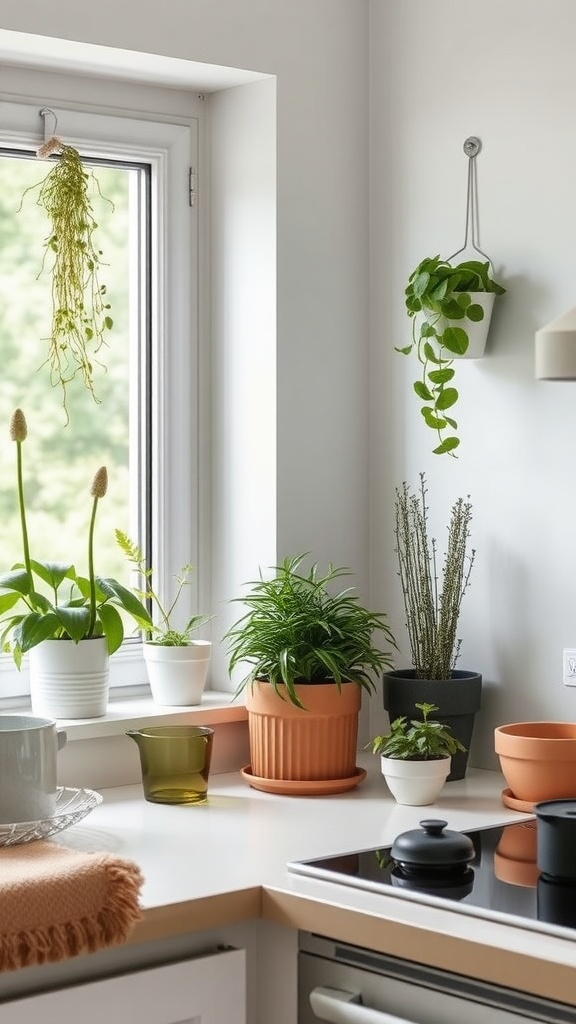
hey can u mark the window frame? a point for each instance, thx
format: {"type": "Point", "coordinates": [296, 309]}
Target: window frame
{"type": "Point", "coordinates": [170, 146]}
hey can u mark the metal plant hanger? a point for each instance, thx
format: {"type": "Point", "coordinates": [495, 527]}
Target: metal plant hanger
{"type": "Point", "coordinates": [471, 147]}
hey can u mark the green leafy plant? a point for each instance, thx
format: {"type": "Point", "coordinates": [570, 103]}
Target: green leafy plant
{"type": "Point", "coordinates": [162, 632]}
{"type": "Point", "coordinates": [297, 631]}
{"type": "Point", "coordinates": [432, 606]}
{"type": "Point", "coordinates": [75, 607]}
{"type": "Point", "coordinates": [415, 740]}
{"type": "Point", "coordinates": [439, 302]}
{"type": "Point", "coordinates": [80, 310]}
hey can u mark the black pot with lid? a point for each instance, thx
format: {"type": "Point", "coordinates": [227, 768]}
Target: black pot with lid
{"type": "Point", "coordinates": [433, 850]}
{"type": "Point", "coordinates": [556, 838]}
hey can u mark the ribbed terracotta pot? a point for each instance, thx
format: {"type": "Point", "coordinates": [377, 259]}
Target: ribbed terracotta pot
{"type": "Point", "coordinates": [538, 759]}
{"type": "Point", "coordinates": [289, 743]}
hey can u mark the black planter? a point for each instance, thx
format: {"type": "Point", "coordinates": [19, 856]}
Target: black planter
{"type": "Point", "coordinates": [458, 700]}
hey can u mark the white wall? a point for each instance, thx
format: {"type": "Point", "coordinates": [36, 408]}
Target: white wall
{"type": "Point", "coordinates": [318, 51]}
{"type": "Point", "coordinates": [439, 72]}
{"type": "Point", "coordinates": [504, 72]}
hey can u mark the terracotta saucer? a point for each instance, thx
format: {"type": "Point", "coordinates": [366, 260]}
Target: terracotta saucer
{"type": "Point", "coordinates": [509, 800]}
{"type": "Point", "coordinates": [322, 787]}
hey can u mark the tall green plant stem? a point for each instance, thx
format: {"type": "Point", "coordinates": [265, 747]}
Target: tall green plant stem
{"type": "Point", "coordinates": [98, 490]}
{"type": "Point", "coordinates": [18, 433]}
{"type": "Point", "coordinates": [432, 612]}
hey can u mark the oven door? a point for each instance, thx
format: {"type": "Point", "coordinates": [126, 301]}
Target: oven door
{"type": "Point", "coordinates": [340, 984]}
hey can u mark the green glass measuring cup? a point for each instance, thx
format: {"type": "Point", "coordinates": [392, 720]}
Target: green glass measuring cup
{"type": "Point", "coordinates": [175, 762]}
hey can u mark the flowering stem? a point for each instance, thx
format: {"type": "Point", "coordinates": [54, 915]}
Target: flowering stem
{"type": "Point", "coordinates": [91, 578]}
{"type": "Point", "coordinates": [23, 510]}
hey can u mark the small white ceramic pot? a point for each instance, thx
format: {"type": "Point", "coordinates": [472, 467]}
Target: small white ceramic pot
{"type": "Point", "coordinates": [177, 675]}
{"type": "Point", "coordinates": [70, 680]}
{"type": "Point", "coordinates": [415, 783]}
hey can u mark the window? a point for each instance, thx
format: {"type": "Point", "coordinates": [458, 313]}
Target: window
{"type": "Point", "coordinates": [143, 427]}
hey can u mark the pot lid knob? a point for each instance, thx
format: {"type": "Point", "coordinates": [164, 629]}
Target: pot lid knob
{"type": "Point", "coordinates": [433, 845]}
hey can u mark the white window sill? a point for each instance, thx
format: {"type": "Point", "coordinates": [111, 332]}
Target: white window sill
{"type": "Point", "coordinates": [216, 707]}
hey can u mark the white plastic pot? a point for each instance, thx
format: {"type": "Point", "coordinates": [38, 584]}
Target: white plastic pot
{"type": "Point", "coordinates": [177, 675]}
{"type": "Point", "coordinates": [415, 783]}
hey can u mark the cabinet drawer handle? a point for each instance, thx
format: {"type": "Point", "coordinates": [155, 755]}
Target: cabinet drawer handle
{"type": "Point", "coordinates": [336, 1006]}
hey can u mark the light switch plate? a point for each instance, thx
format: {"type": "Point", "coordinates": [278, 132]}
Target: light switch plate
{"type": "Point", "coordinates": [569, 666]}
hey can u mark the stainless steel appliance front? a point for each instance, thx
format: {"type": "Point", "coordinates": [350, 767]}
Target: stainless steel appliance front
{"type": "Point", "coordinates": [342, 984]}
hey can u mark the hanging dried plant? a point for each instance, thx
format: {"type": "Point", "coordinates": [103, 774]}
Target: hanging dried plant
{"type": "Point", "coordinates": [80, 311]}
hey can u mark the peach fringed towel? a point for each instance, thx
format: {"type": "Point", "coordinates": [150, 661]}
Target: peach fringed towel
{"type": "Point", "coordinates": [57, 903]}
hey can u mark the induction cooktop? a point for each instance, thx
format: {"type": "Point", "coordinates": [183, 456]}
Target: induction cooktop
{"type": "Point", "coordinates": [502, 882]}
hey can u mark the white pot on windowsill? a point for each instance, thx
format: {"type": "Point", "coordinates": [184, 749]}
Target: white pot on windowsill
{"type": "Point", "coordinates": [415, 783]}
{"type": "Point", "coordinates": [68, 679]}
{"type": "Point", "coordinates": [177, 675]}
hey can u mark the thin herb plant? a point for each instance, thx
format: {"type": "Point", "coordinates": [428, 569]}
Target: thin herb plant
{"type": "Point", "coordinates": [162, 631]}
{"type": "Point", "coordinates": [432, 605]}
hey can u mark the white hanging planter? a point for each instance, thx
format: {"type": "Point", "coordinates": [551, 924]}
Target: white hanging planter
{"type": "Point", "coordinates": [177, 675]}
{"type": "Point", "coordinates": [70, 680]}
{"type": "Point", "coordinates": [477, 330]}
{"type": "Point", "coordinates": [415, 783]}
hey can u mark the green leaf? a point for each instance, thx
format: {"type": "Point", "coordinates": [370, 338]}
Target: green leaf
{"type": "Point", "coordinates": [475, 312]}
{"type": "Point", "coordinates": [451, 423]}
{"type": "Point", "coordinates": [53, 573]}
{"type": "Point", "coordinates": [422, 391]}
{"type": "Point", "coordinates": [35, 628]}
{"type": "Point", "coordinates": [431, 355]}
{"type": "Point", "coordinates": [420, 284]}
{"type": "Point", "coordinates": [441, 376]}
{"type": "Point", "coordinates": [427, 330]}
{"type": "Point", "coordinates": [448, 445]}
{"type": "Point", "coordinates": [17, 579]}
{"type": "Point", "coordinates": [463, 299]}
{"type": "Point", "coordinates": [405, 351]}
{"type": "Point", "coordinates": [112, 625]}
{"type": "Point", "coordinates": [75, 620]}
{"type": "Point", "coordinates": [455, 340]}
{"type": "Point", "coordinates": [431, 420]}
{"type": "Point", "coordinates": [125, 599]}
{"type": "Point", "coordinates": [447, 398]}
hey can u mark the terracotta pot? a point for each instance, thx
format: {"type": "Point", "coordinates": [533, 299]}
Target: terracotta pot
{"type": "Point", "coordinates": [538, 759]}
{"type": "Point", "coordinates": [515, 855]}
{"type": "Point", "coordinates": [289, 743]}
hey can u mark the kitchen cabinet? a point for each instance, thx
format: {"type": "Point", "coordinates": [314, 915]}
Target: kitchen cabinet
{"type": "Point", "coordinates": [208, 989]}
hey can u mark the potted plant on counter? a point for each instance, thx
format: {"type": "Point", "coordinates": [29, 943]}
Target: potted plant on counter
{"type": "Point", "coordinates": [450, 307]}
{"type": "Point", "coordinates": [68, 623]}
{"type": "Point", "coordinates": [176, 662]}
{"type": "Point", "coordinates": [311, 649]}
{"type": "Point", "coordinates": [416, 756]}
{"type": "Point", "coordinates": [432, 607]}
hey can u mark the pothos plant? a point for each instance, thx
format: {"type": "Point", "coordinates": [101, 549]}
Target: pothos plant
{"type": "Point", "coordinates": [439, 300]}
{"type": "Point", "coordinates": [80, 308]}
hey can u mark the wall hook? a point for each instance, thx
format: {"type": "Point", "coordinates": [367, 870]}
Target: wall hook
{"type": "Point", "coordinates": [52, 143]}
{"type": "Point", "coordinates": [44, 113]}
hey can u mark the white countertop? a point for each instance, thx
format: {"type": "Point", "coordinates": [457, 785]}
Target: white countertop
{"type": "Point", "coordinates": [242, 837]}
{"type": "Point", "coordinates": [241, 840]}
